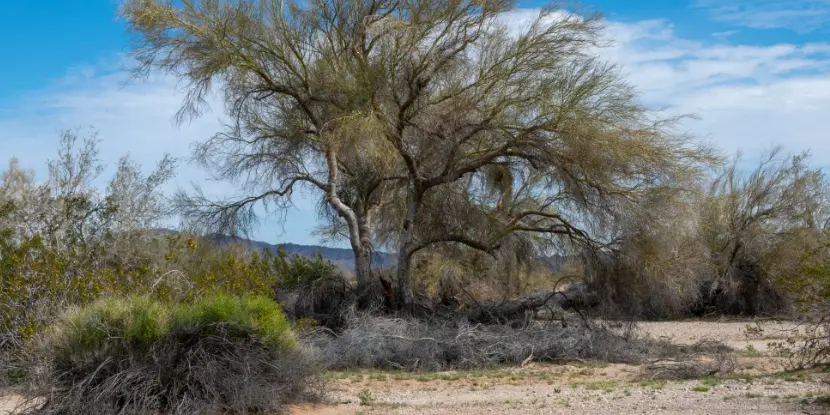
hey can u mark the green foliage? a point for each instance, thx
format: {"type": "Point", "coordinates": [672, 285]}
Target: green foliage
{"type": "Point", "coordinates": [135, 355]}
{"type": "Point", "coordinates": [234, 270]}
{"type": "Point", "coordinates": [365, 397]}
{"type": "Point", "coordinates": [38, 281]}
{"type": "Point", "coordinates": [750, 244]}
{"type": "Point", "coordinates": [137, 323]}
{"type": "Point", "coordinates": [810, 283]}
{"type": "Point", "coordinates": [45, 271]}
{"type": "Point", "coordinates": [241, 316]}
{"type": "Point", "coordinates": [440, 272]}
{"type": "Point", "coordinates": [64, 242]}
{"type": "Point", "coordinates": [298, 270]}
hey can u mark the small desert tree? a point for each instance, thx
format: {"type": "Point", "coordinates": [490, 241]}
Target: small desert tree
{"type": "Point", "coordinates": [509, 131]}
{"type": "Point", "coordinates": [759, 224]}
{"type": "Point", "coordinates": [69, 212]}
{"type": "Point", "coordinates": [419, 94]}
{"type": "Point", "coordinates": [300, 94]}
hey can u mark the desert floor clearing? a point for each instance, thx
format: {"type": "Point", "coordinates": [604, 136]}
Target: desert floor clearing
{"type": "Point", "coordinates": [759, 384]}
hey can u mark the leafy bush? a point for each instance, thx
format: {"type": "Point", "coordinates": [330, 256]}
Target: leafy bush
{"type": "Point", "coordinates": [809, 344]}
{"type": "Point", "coordinates": [233, 268]}
{"type": "Point", "coordinates": [38, 282]}
{"type": "Point", "coordinates": [737, 248]}
{"type": "Point", "coordinates": [298, 271]}
{"type": "Point", "coordinates": [219, 354]}
{"type": "Point", "coordinates": [64, 242]}
{"type": "Point", "coordinates": [241, 316]}
{"type": "Point", "coordinates": [115, 323]}
{"type": "Point", "coordinates": [440, 271]}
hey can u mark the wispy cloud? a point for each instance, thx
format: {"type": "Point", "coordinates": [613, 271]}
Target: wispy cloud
{"type": "Point", "coordinates": [797, 15]}
{"type": "Point", "coordinates": [725, 35]}
{"type": "Point", "coordinates": [748, 97]}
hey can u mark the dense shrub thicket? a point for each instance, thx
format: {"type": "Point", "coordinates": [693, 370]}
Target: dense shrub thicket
{"type": "Point", "coordinates": [40, 281]}
{"type": "Point", "coordinates": [753, 243]}
{"type": "Point", "coordinates": [219, 354]}
{"type": "Point", "coordinates": [64, 243]}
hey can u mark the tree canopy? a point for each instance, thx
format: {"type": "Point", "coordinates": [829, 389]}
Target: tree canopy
{"type": "Point", "coordinates": [399, 111]}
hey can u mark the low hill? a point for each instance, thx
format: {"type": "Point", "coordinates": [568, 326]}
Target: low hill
{"type": "Point", "coordinates": [341, 257]}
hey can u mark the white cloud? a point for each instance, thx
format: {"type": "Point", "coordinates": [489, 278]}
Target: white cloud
{"type": "Point", "coordinates": [797, 15]}
{"type": "Point", "coordinates": [749, 97]}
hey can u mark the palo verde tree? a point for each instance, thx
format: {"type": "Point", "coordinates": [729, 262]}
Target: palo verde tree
{"type": "Point", "coordinates": [395, 103]}
{"type": "Point", "coordinates": [299, 96]}
{"type": "Point", "coordinates": [511, 131]}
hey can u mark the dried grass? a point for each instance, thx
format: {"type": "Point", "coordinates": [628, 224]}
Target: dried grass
{"type": "Point", "coordinates": [409, 344]}
{"type": "Point", "coordinates": [705, 358]}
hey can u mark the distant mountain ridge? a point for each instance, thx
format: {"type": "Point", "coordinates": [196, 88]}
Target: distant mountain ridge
{"type": "Point", "coordinates": [341, 257]}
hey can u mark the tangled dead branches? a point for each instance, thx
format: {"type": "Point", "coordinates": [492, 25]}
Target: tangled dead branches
{"type": "Point", "coordinates": [408, 344]}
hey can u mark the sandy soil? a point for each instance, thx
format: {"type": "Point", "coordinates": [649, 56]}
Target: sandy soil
{"type": "Point", "coordinates": [757, 387]}
{"type": "Point", "coordinates": [733, 333]}
{"type": "Point", "coordinates": [8, 402]}
{"type": "Point", "coordinates": [568, 396]}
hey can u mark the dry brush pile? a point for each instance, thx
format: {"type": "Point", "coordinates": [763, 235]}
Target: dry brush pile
{"type": "Point", "coordinates": [422, 345]}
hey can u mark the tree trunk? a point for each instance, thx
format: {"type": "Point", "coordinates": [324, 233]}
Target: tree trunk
{"type": "Point", "coordinates": [363, 274]}
{"type": "Point", "coordinates": [405, 297]}
{"type": "Point", "coordinates": [358, 223]}
{"type": "Point", "coordinates": [368, 288]}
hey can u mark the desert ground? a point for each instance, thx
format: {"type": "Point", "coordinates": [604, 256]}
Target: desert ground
{"type": "Point", "coordinates": [758, 385]}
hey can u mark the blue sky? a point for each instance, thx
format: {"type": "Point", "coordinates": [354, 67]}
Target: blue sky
{"type": "Point", "coordinates": [757, 72]}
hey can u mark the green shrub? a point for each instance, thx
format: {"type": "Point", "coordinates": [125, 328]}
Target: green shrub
{"type": "Point", "coordinates": [137, 322]}
{"type": "Point", "coordinates": [297, 270]}
{"type": "Point", "coordinates": [241, 315]}
{"type": "Point", "coordinates": [140, 322]}
{"type": "Point", "coordinates": [217, 354]}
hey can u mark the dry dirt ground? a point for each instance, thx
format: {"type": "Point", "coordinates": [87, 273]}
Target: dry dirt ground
{"type": "Point", "coordinates": [758, 385]}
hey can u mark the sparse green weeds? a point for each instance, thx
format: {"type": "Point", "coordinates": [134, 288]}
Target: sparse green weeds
{"type": "Point", "coordinates": [607, 386]}
{"type": "Point", "coordinates": [365, 397]}
{"type": "Point", "coordinates": [509, 375]}
{"type": "Point", "coordinates": [710, 381]}
{"type": "Point", "coordinates": [379, 377]}
{"type": "Point", "coordinates": [822, 400]}
{"type": "Point", "coordinates": [791, 375]}
{"type": "Point", "coordinates": [655, 384]}
{"type": "Point", "coordinates": [750, 351]}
